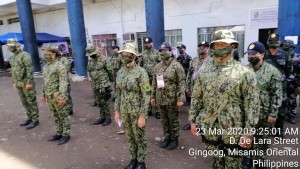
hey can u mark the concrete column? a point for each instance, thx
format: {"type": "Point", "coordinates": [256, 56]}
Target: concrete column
{"type": "Point", "coordinates": [155, 21]}
{"type": "Point", "coordinates": [78, 37]}
{"type": "Point", "coordinates": [28, 31]}
{"type": "Point", "coordinates": [289, 20]}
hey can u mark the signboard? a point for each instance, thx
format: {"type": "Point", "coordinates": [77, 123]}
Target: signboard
{"type": "Point", "coordinates": [264, 17]}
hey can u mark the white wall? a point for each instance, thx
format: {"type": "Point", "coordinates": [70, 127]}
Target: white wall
{"type": "Point", "coordinates": [123, 16]}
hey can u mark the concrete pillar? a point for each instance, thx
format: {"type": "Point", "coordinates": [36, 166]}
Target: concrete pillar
{"type": "Point", "coordinates": [155, 21]}
{"type": "Point", "coordinates": [289, 20]}
{"type": "Point", "coordinates": [78, 37]}
{"type": "Point", "coordinates": [28, 31]}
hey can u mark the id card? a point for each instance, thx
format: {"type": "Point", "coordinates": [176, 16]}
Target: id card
{"type": "Point", "coordinates": [160, 81]}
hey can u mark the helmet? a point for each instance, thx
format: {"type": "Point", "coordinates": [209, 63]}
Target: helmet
{"type": "Point", "coordinates": [52, 48]}
{"type": "Point", "coordinates": [131, 48]}
{"type": "Point", "coordinates": [13, 42]}
{"type": "Point", "coordinates": [225, 36]}
{"type": "Point", "coordinates": [91, 50]}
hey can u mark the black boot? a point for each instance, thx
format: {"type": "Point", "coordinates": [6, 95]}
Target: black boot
{"type": "Point", "coordinates": [71, 112]}
{"type": "Point", "coordinates": [140, 166]}
{"type": "Point", "coordinates": [131, 165]}
{"type": "Point", "coordinates": [106, 122]}
{"type": "Point", "coordinates": [25, 123]}
{"type": "Point", "coordinates": [99, 121]}
{"type": "Point", "coordinates": [186, 127]}
{"type": "Point", "coordinates": [173, 144]}
{"type": "Point", "coordinates": [157, 115]}
{"type": "Point", "coordinates": [164, 143]}
{"type": "Point", "coordinates": [32, 125]}
{"type": "Point", "coordinates": [54, 138]}
{"type": "Point", "coordinates": [63, 140]}
{"type": "Point", "coordinates": [150, 113]}
{"type": "Point", "coordinates": [94, 104]}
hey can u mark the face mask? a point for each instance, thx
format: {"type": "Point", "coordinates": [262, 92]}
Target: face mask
{"type": "Point", "coordinates": [148, 47]}
{"type": "Point", "coordinates": [93, 56]}
{"type": "Point", "coordinates": [222, 51]}
{"type": "Point", "coordinates": [285, 48]}
{"type": "Point", "coordinates": [13, 49]}
{"type": "Point", "coordinates": [47, 57]}
{"type": "Point", "coordinates": [127, 59]}
{"type": "Point", "coordinates": [273, 45]}
{"type": "Point", "coordinates": [254, 60]}
{"type": "Point", "coordinates": [165, 56]}
{"type": "Point", "coordinates": [202, 52]}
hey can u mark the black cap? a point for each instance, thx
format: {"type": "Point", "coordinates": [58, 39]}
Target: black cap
{"type": "Point", "coordinates": [115, 47]}
{"type": "Point", "coordinates": [165, 46]}
{"type": "Point", "coordinates": [148, 40]}
{"type": "Point", "coordinates": [273, 37]}
{"type": "Point", "coordinates": [256, 47]}
{"type": "Point", "coordinates": [204, 43]}
{"type": "Point", "coordinates": [181, 46]}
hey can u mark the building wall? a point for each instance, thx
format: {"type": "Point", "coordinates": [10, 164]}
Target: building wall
{"type": "Point", "coordinates": [124, 16]}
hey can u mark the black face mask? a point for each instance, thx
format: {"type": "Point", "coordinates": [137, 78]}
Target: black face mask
{"type": "Point", "coordinates": [93, 56]}
{"type": "Point", "coordinates": [253, 60]}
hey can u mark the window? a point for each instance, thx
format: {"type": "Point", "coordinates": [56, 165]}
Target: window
{"type": "Point", "coordinates": [1, 22]}
{"type": "Point", "coordinates": [205, 34]}
{"type": "Point", "coordinates": [105, 42]}
{"type": "Point", "coordinates": [13, 20]}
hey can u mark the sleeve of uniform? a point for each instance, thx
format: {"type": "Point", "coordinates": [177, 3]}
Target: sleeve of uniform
{"type": "Point", "coordinates": [63, 82]}
{"type": "Point", "coordinates": [196, 101]}
{"type": "Point", "coordinates": [43, 87]}
{"type": "Point", "coordinates": [66, 62]}
{"type": "Point", "coordinates": [109, 69]}
{"type": "Point", "coordinates": [118, 96]}
{"type": "Point", "coordinates": [141, 61]}
{"type": "Point", "coordinates": [189, 77]}
{"type": "Point", "coordinates": [180, 90]}
{"type": "Point", "coordinates": [29, 70]}
{"type": "Point", "coordinates": [146, 91]}
{"type": "Point", "coordinates": [154, 83]}
{"type": "Point", "coordinates": [158, 58]}
{"type": "Point", "coordinates": [276, 93]}
{"type": "Point", "coordinates": [250, 100]}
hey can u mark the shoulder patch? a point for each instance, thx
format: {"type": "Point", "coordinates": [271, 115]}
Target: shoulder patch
{"type": "Point", "coordinates": [147, 87]}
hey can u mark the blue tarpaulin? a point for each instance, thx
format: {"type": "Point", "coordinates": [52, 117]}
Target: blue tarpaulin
{"type": "Point", "coordinates": [41, 38]}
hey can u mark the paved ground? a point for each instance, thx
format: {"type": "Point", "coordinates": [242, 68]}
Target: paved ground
{"type": "Point", "coordinates": [90, 146]}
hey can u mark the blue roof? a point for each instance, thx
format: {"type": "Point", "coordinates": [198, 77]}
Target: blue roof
{"type": "Point", "coordinates": [41, 38]}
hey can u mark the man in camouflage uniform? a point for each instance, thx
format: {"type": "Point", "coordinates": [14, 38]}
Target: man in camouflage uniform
{"type": "Point", "coordinates": [225, 96]}
{"type": "Point", "coordinates": [168, 92]}
{"type": "Point", "coordinates": [65, 61]}
{"type": "Point", "coordinates": [116, 65]}
{"type": "Point", "coordinates": [132, 101]}
{"type": "Point", "coordinates": [184, 59]}
{"type": "Point", "coordinates": [100, 73]}
{"type": "Point", "coordinates": [56, 93]}
{"type": "Point", "coordinates": [293, 82]}
{"type": "Point", "coordinates": [150, 57]}
{"type": "Point", "coordinates": [282, 61]}
{"type": "Point", "coordinates": [195, 65]}
{"type": "Point", "coordinates": [23, 81]}
{"type": "Point", "coordinates": [269, 80]}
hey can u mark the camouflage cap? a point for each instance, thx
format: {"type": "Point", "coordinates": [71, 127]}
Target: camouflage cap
{"type": "Point", "coordinates": [52, 48]}
{"type": "Point", "coordinates": [225, 36]}
{"type": "Point", "coordinates": [131, 48]}
{"type": "Point", "coordinates": [91, 50]}
{"type": "Point", "coordinates": [13, 42]}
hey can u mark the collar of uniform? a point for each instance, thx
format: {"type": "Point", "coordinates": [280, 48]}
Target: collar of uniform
{"type": "Point", "coordinates": [230, 61]}
{"type": "Point", "coordinates": [259, 67]}
{"type": "Point", "coordinates": [163, 63]}
{"type": "Point", "coordinates": [130, 68]}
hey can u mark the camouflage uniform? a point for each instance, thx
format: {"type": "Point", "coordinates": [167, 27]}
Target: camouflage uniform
{"type": "Point", "coordinates": [116, 65]}
{"type": "Point", "coordinates": [132, 101]}
{"type": "Point", "coordinates": [270, 96]}
{"type": "Point", "coordinates": [100, 71]}
{"type": "Point", "coordinates": [283, 63]}
{"type": "Point", "coordinates": [65, 61]}
{"type": "Point", "coordinates": [193, 72]}
{"type": "Point", "coordinates": [217, 104]}
{"type": "Point", "coordinates": [166, 98]}
{"type": "Point", "coordinates": [22, 74]}
{"type": "Point", "coordinates": [296, 67]}
{"type": "Point", "coordinates": [56, 85]}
